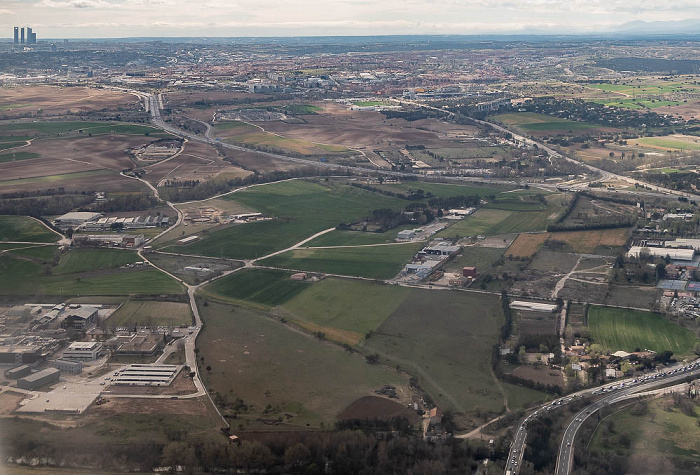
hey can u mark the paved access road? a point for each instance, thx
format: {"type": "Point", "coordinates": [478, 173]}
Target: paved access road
{"type": "Point", "coordinates": [615, 392]}
{"type": "Point", "coordinates": [566, 449]}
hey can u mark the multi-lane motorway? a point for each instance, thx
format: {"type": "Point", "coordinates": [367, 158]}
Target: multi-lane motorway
{"type": "Point", "coordinates": [609, 394]}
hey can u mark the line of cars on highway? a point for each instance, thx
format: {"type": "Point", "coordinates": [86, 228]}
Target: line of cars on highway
{"type": "Point", "coordinates": [519, 442]}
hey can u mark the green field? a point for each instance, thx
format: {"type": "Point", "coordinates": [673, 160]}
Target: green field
{"type": "Point", "coordinates": [302, 109]}
{"type": "Point", "coordinates": [353, 306]}
{"type": "Point", "coordinates": [445, 340]}
{"type": "Point", "coordinates": [515, 217]}
{"type": "Point", "coordinates": [17, 156]}
{"type": "Point", "coordinates": [444, 190]}
{"type": "Point", "coordinates": [375, 262]}
{"type": "Point", "coordinates": [668, 143]}
{"type": "Point", "coordinates": [264, 287]}
{"type": "Point", "coordinates": [302, 208]}
{"type": "Point", "coordinates": [664, 432]}
{"type": "Point", "coordinates": [533, 122]}
{"type": "Point", "coordinates": [23, 228]}
{"type": "Point", "coordinates": [356, 238]}
{"type": "Point", "coordinates": [41, 254]}
{"type": "Point", "coordinates": [34, 129]}
{"type": "Point", "coordinates": [622, 329]}
{"type": "Point", "coordinates": [520, 397]}
{"type": "Point", "coordinates": [151, 313]}
{"type": "Point", "coordinates": [47, 179]}
{"type": "Point", "coordinates": [84, 260]}
{"type": "Point", "coordinates": [23, 277]}
{"type": "Point", "coordinates": [263, 362]}
{"type": "Point", "coordinates": [473, 256]}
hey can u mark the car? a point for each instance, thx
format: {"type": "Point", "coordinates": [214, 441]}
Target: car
{"type": "Point", "coordinates": [568, 444]}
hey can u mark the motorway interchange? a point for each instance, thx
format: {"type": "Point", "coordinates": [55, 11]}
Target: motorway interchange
{"type": "Point", "coordinates": [612, 393]}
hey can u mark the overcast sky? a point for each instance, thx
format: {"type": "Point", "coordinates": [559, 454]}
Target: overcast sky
{"type": "Point", "coordinates": [128, 18]}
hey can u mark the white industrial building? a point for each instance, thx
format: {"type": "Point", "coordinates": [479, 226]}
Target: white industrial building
{"type": "Point", "coordinates": [675, 254]}
{"type": "Point", "coordinates": [146, 375]}
{"type": "Point", "coordinates": [74, 219]}
{"type": "Point", "coordinates": [83, 351]}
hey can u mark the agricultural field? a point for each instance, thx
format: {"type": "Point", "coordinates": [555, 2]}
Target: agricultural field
{"type": "Point", "coordinates": [76, 128]}
{"type": "Point", "coordinates": [602, 241]}
{"type": "Point", "coordinates": [78, 156]}
{"type": "Point", "coordinates": [538, 123]}
{"type": "Point", "coordinates": [445, 339]}
{"type": "Point", "coordinates": [301, 208]}
{"type": "Point", "coordinates": [663, 439]}
{"type": "Point", "coordinates": [151, 313]}
{"type": "Point", "coordinates": [56, 100]}
{"type": "Point", "coordinates": [627, 330]}
{"type": "Point", "coordinates": [345, 310]}
{"type": "Point", "coordinates": [676, 142]}
{"type": "Point", "coordinates": [23, 228]}
{"type": "Point", "coordinates": [17, 156]}
{"type": "Point", "coordinates": [84, 260]}
{"type": "Point", "coordinates": [526, 245]}
{"type": "Point", "coordinates": [356, 238]}
{"type": "Point", "coordinates": [242, 133]}
{"type": "Point", "coordinates": [444, 190]}
{"type": "Point", "coordinates": [19, 276]}
{"type": "Point", "coordinates": [175, 264]}
{"type": "Point", "coordinates": [483, 258]}
{"type": "Point", "coordinates": [261, 287]}
{"type": "Point", "coordinates": [42, 254]}
{"type": "Point", "coordinates": [507, 216]}
{"type": "Point", "coordinates": [374, 262]}
{"type": "Point", "coordinates": [282, 373]}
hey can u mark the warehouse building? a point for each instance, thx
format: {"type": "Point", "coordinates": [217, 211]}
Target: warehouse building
{"type": "Point", "coordinates": [146, 375]}
{"type": "Point", "coordinates": [37, 380]}
{"type": "Point", "coordinates": [83, 351]}
{"type": "Point", "coordinates": [80, 318]}
{"type": "Point", "coordinates": [18, 372]}
{"type": "Point", "coordinates": [66, 366]}
{"type": "Point", "coordinates": [75, 219]}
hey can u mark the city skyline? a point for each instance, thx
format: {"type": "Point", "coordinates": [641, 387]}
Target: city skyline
{"type": "Point", "coordinates": [218, 18]}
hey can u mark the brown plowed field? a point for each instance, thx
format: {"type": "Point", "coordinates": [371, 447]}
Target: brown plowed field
{"type": "Point", "coordinates": [585, 242]}
{"type": "Point", "coordinates": [55, 100]}
{"type": "Point", "coordinates": [373, 407]}
{"type": "Point", "coordinates": [197, 161]}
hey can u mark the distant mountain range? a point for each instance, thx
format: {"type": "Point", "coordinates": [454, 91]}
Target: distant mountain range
{"type": "Point", "coordinates": [683, 27]}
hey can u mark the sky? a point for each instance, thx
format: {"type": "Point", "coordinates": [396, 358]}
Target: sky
{"type": "Point", "coordinates": [229, 18]}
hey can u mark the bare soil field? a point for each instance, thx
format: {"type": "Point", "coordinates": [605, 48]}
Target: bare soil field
{"type": "Point", "coordinates": [579, 291]}
{"type": "Point", "coordinates": [588, 241]}
{"type": "Point", "coordinates": [258, 161]}
{"type": "Point", "coordinates": [25, 101]}
{"type": "Point", "coordinates": [632, 296]}
{"type": "Point", "coordinates": [357, 129]}
{"type": "Point", "coordinates": [93, 180]}
{"type": "Point", "coordinates": [202, 98]}
{"type": "Point", "coordinates": [9, 402]}
{"type": "Point", "coordinates": [536, 323]}
{"type": "Point", "coordinates": [193, 407]}
{"type": "Point", "coordinates": [526, 245]}
{"type": "Point", "coordinates": [61, 157]}
{"type": "Point", "coordinates": [197, 161]}
{"type": "Point", "coordinates": [373, 407]}
{"type": "Point", "coordinates": [181, 385]}
{"type": "Point", "coordinates": [540, 374]}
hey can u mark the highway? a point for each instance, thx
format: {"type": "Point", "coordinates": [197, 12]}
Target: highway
{"type": "Point", "coordinates": [615, 392]}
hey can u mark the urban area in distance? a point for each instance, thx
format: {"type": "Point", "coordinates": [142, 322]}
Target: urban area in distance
{"type": "Point", "coordinates": [350, 254]}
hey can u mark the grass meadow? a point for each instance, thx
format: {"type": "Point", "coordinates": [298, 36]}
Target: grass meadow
{"type": "Point", "coordinates": [23, 228]}
{"type": "Point", "coordinates": [623, 329]}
